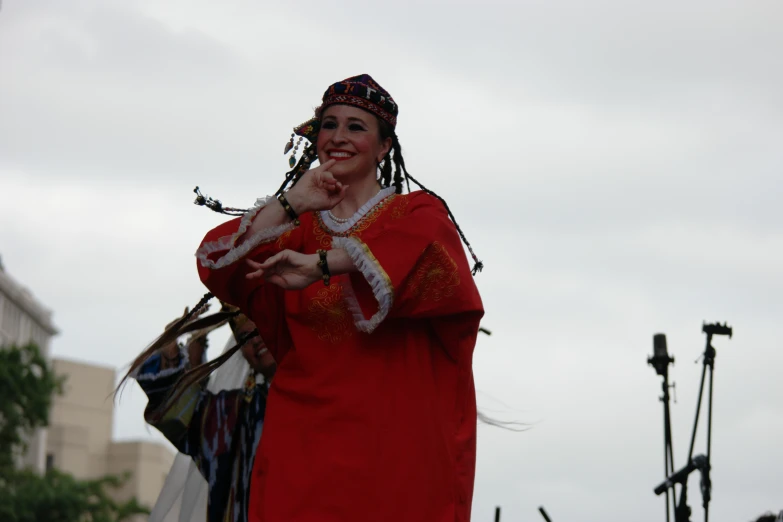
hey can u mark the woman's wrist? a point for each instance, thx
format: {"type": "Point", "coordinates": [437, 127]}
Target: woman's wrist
{"type": "Point", "coordinates": [296, 201]}
{"type": "Point", "coordinates": [339, 262]}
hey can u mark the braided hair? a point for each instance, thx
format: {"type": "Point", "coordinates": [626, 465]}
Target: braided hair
{"type": "Point", "coordinates": [400, 173]}
{"type": "Point", "coordinates": [387, 179]}
{"type": "Point", "coordinates": [175, 330]}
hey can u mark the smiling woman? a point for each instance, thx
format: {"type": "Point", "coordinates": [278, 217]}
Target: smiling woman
{"type": "Point", "coordinates": [365, 299]}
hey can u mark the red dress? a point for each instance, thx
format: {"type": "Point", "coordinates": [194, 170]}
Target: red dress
{"type": "Point", "coordinates": [372, 412]}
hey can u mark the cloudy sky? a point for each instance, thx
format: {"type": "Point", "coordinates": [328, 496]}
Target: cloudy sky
{"type": "Point", "coordinates": [618, 165]}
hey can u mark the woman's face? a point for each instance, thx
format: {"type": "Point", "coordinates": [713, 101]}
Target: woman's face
{"type": "Point", "coordinates": [254, 351]}
{"type": "Point", "coordinates": [350, 136]}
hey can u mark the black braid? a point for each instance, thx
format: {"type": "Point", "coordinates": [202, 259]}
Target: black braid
{"type": "Point", "coordinates": [216, 205]}
{"type": "Point", "coordinates": [478, 266]}
{"type": "Point", "coordinates": [199, 373]}
{"type": "Point", "coordinates": [386, 171]}
{"type": "Point", "coordinates": [206, 298]}
{"type": "Point", "coordinates": [310, 154]}
{"type": "Point", "coordinates": [291, 177]}
{"type": "Point", "coordinates": [399, 171]}
{"type": "Point", "coordinates": [169, 335]}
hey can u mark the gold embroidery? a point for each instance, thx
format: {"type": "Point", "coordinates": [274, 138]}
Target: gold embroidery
{"type": "Point", "coordinates": [436, 276]}
{"type": "Point", "coordinates": [320, 229]}
{"type": "Point", "coordinates": [328, 314]}
{"type": "Point", "coordinates": [283, 238]}
{"type": "Point", "coordinates": [399, 210]}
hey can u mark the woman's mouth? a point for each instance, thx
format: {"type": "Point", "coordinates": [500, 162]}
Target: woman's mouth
{"type": "Point", "coordinates": [340, 155]}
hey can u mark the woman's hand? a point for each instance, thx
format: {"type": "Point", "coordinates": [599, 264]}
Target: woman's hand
{"type": "Point", "coordinates": [196, 347]}
{"type": "Point", "coordinates": [288, 269]}
{"type": "Point", "coordinates": [317, 190]}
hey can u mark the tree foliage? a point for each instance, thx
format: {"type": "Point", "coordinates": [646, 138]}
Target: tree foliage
{"type": "Point", "coordinates": [27, 388]}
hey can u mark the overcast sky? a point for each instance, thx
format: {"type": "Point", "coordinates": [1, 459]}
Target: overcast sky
{"type": "Point", "coordinates": [618, 166]}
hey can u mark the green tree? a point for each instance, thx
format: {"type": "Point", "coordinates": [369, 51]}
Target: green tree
{"type": "Point", "coordinates": [27, 386]}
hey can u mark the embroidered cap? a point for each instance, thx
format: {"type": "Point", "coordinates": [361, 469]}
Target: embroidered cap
{"type": "Point", "coordinates": [358, 91]}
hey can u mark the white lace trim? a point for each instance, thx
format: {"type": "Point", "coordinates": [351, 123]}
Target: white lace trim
{"type": "Point", "coordinates": [183, 362]}
{"type": "Point", "coordinates": [375, 275]}
{"type": "Point", "coordinates": [339, 228]}
{"type": "Point", "coordinates": [228, 243]}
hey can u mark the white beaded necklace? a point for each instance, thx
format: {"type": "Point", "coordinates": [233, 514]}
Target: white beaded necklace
{"type": "Point", "coordinates": [343, 220]}
{"type": "Point", "coordinates": [336, 219]}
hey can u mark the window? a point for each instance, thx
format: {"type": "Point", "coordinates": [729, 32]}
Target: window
{"type": "Point", "coordinates": [12, 316]}
{"type": "Point", "coordinates": [49, 461]}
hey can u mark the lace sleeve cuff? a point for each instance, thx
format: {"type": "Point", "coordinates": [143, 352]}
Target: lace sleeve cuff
{"type": "Point", "coordinates": [375, 276]}
{"type": "Point", "coordinates": [228, 244]}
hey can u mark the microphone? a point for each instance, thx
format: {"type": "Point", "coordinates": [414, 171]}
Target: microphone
{"type": "Point", "coordinates": [659, 345]}
{"type": "Point", "coordinates": [698, 462]}
{"type": "Point", "coordinates": [660, 359]}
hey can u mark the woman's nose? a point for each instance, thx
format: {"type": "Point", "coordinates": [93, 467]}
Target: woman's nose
{"type": "Point", "coordinates": [339, 135]}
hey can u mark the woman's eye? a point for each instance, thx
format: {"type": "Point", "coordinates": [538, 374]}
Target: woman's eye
{"type": "Point", "coordinates": [330, 125]}
{"type": "Point", "coordinates": [356, 127]}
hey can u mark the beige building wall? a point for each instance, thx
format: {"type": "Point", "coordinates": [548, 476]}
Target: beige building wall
{"type": "Point", "coordinates": [80, 436]}
{"type": "Point", "coordinates": [149, 464]}
{"type": "Point", "coordinates": [80, 421]}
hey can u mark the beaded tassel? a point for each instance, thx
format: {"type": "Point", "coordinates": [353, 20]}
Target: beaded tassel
{"type": "Point", "coordinates": [292, 159]}
{"type": "Point", "coordinates": [289, 145]}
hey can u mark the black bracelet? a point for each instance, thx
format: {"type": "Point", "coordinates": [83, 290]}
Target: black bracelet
{"type": "Point", "coordinates": [288, 210]}
{"type": "Point", "coordinates": [324, 267]}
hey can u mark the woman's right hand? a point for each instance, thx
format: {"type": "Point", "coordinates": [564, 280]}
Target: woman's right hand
{"type": "Point", "coordinates": [316, 190]}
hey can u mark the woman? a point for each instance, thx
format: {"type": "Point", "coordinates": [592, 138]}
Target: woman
{"type": "Point", "coordinates": [364, 297]}
{"type": "Point", "coordinates": [218, 430]}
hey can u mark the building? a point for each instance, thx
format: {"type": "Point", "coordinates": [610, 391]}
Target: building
{"type": "Point", "coordinates": [80, 438]}
{"type": "Point", "coordinates": [24, 320]}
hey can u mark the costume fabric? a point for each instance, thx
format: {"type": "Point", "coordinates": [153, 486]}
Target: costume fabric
{"type": "Point", "coordinates": [219, 431]}
{"type": "Point", "coordinates": [372, 413]}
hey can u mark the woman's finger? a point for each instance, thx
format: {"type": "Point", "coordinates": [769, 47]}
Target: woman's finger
{"type": "Point", "coordinates": [324, 166]}
{"type": "Point", "coordinates": [326, 177]}
{"type": "Point", "coordinates": [275, 259]}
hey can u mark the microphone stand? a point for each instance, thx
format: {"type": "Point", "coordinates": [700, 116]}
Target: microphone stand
{"type": "Point", "coordinates": [661, 361]}
{"type": "Point", "coordinates": [703, 463]}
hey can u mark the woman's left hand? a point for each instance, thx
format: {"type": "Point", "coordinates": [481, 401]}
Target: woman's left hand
{"type": "Point", "coordinates": [288, 269]}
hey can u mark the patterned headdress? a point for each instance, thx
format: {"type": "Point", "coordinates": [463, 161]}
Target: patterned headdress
{"type": "Point", "coordinates": [358, 91]}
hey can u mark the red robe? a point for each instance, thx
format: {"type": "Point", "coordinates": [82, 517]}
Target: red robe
{"type": "Point", "coordinates": [372, 412]}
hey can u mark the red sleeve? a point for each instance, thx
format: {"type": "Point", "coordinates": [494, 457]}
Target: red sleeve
{"type": "Point", "coordinates": [222, 269]}
{"type": "Point", "coordinates": [413, 266]}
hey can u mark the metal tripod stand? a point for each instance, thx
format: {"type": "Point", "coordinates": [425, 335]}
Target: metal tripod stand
{"type": "Point", "coordinates": [661, 360]}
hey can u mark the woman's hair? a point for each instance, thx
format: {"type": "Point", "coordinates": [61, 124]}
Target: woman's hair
{"type": "Point", "coordinates": [400, 172]}
{"type": "Point", "coordinates": [182, 326]}
{"type": "Point", "coordinates": [393, 158]}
